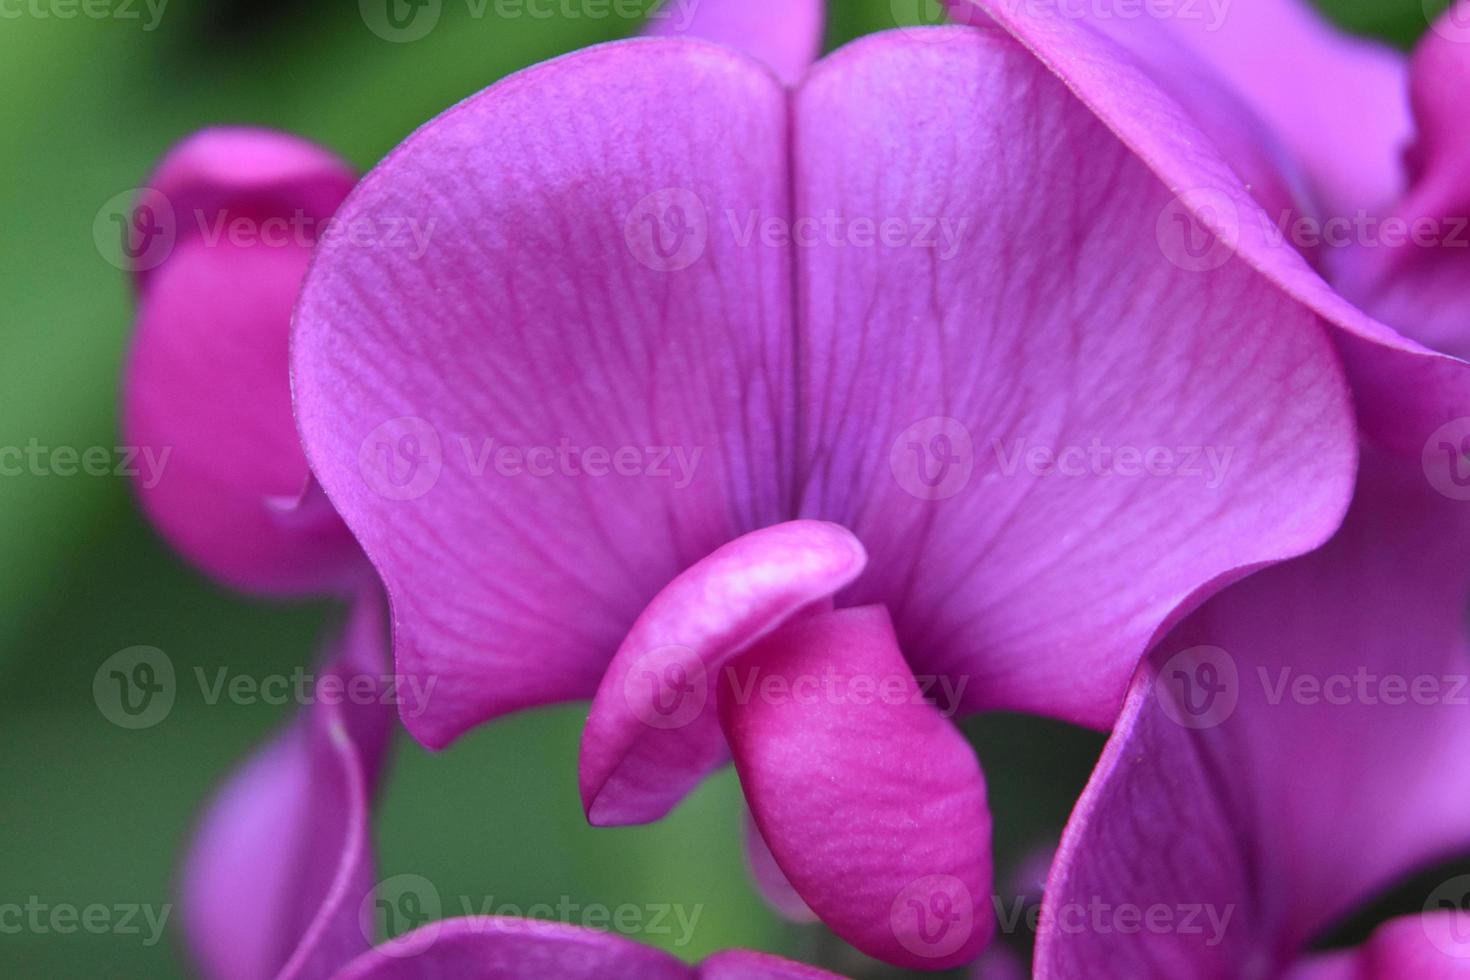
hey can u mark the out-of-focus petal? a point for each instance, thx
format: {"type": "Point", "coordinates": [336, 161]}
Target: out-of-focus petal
{"type": "Point", "coordinates": [581, 292]}
{"type": "Point", "coordinates": [898, 862]}
{"type": "Point", "coordinates": [1432, 946]}
{"type": "Point", "coordinates": [496, 948]}
{"type": "Point", "coordinates": [1404, 391]}
{"type": "Point", "coordinates": [785, 34]}
{"type": "Point", "coordinates": [1285, 757]}
{"type": "Point", "coordinates": [207, 400]}
{"type": "Point", "coordinates": [653, 732]}
{"type": "Point", "coordinates": [282, 860]}
{"type": "Point", "coordinates": [1410, 267]}
{"type": "Point", "coordinates": [769, 877]}
{"type": "Point", "coordinates": [1015, 302]}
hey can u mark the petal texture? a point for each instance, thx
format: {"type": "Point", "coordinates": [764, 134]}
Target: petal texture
{"type": "Point", "coordinates": [1285, 758]}
{"type": "Point", "coordinates": [1048, 430]}
{"type": "Point", "coordinates": [653, 732]}
{"type": "Point", "coordinates": [1404, 391]}
{"type": "Point", "coordinates": [871, 801]}
{"type": "Point", "coordinates": [785, 34]}
{"type": "Point", "coordinates": [207, 396]}
{"type": "Point", "coordinates": [573, 393]}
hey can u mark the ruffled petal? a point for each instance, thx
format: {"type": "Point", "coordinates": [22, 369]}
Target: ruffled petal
{"type": "Point", "coordinates": [653, 732]}
{"type": "Point", "coordinates": [871, 801]}
{"type": "Point", "coordinates": [1047, 434]}
{"type": "Point", "coordinates": [785, 34]}
{"type": "Point", "coordinates": [573, 393]}
{"type": "Point", "coordinates": [1410, 267]}
{"type": "Point", "coordinates": [497, 948]}
{"type": "Point", "coordinates": [282, 860]}
{"type": "Point", "coordinates": [1289, 760]}
{"type": "Point", "coordinates": [1404, 390]}
{"type": "Point", "coordinates": [207, 400]}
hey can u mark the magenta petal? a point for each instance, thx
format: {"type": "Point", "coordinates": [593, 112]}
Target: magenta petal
{"type": "Point", "coordinates": [456, 403]}
{"type": "Point", "coordinates": [785, 34]}
{"type": "Point", "coordinates": [207, 398]}
{"type": "Point", "coordinates": [282, 859]}
{"type": "Point", "coordinates": [1433, 946]}
{"type": "Point", "coordinates": [739, 964]}
{"type": "Point", "coordinates": [494, 948]}
{"type": "Point", "coordinates": [936, 372]}
{"type": "Point", "coordinates": [653, 732]}
{"type": "Point", "coordinates": [899, 862]}
{"type": "Point", "coordinates": [1404, 391]}
{"type": "Point", "coordinates": [1259, 777]}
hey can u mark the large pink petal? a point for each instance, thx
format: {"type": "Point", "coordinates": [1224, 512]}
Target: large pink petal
{"type": "Point", "coordinates": [282, 860]}
{"type": "Point", "coordinates": [1404, 391]}
{"type": "Point", "coordinates": [871, 801]}
{"type": "Point", "coordinates": [785, 34]}
{"type": "Point", "coordinates": [1291, 758]}
{"type": "Point", "coordinates": [1023, 302]}
{"type": "Point", "coordinates": [207, 390]}
{"type": "Point", "coordinates": [653, 732]}
{"type": "Point", "coordinates": [544, 315]}
{"type": "Point", "coordinates": [493, 948]}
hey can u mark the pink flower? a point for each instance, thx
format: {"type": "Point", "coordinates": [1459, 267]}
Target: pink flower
{"type": "Point", "coordinates": [690, 406]}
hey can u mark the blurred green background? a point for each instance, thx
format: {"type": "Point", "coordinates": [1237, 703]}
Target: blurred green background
{"type": "Point", "coordinates": [91, 813]}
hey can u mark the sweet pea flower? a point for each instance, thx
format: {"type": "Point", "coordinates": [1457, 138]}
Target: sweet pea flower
{"type": "Point", "coordinates": [1292, 749]}
{"type": "Point", "coordinates": [220, 239]}
{"type": "Point", "coordinates": [759, 407]}
{"type": "Point", "coordinates": [279, 882]}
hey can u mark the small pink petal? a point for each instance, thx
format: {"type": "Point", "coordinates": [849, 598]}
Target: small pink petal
{"type": "Point", "coordinates": [653, 732]}
{"type": "Point", "coordinates": [785, 34]}
{"type": "Point", "coordinates": [872, 802]}
{"type": "Point", "coordinates": [770, 879]}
